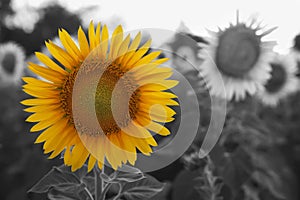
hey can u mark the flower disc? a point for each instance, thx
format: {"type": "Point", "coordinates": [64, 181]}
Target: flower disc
{"type": "Point", "coordinates": [278, 78]}
{"type": "Point", "coordinates": [238, 51]}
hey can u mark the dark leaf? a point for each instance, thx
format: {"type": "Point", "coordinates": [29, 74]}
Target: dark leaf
{"type": "Point", "coordinates": [68, 192]}
{"type": "Point", "coordinates": [129, 174]}
{"type": "Point", "coordinates": [183, 186]}
{"type": "Point", "coordinates": [142, 189]}
{"type": "Point", "coordinates": [235, 169]}
{"type": "Point", "coordinates": [56, 177]}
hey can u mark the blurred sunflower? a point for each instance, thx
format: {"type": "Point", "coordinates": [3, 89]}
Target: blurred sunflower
{"type": "Point", "coordinates": [12, 63]}
{"type": "Point", "coordinates": [240, 56]}
{"type": "Point", "coordinates": [185, 48]}
{"type": "Point", "coordinates": [283, 80]}
{"type": "Point", "coordinates": [116, 57]}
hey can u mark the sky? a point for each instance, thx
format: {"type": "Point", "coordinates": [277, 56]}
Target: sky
{"type": "Point", "coordinates": [198, 15]}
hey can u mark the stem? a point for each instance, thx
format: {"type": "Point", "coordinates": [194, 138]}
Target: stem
{"type": "Point", "coordinates": [106, 188]}
{"type": "Point", "coordinates": [96, 183]}
{"type": "Point", "coordinates": [89, 194]}
{"type": "Point", "coordinates": [119, 192]}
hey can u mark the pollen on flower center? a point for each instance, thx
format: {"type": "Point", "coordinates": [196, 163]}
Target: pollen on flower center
{"type": "Point", "coordinates": [238, 51]}
{"type": "Point", "coordinates": [125, 110]}
{"type": "Point", "coordinates": [66, 94]}
{"type": "Point", "coordinates": [102, 99]}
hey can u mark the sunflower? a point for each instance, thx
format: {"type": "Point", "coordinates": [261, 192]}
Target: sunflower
{"type": "Point", "coordinates": [12, 63]}
{"type": "Point", "coordinates": [296, 55]}
{"type": "Point", "coordinates": [282, 82]}
{"type": "Point", "coordinates": [240, 56]}
{"type": "Point", "coordinates": [123, 62]}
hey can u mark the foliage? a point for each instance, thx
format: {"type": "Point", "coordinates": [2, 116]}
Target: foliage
{"type": "Point", "coordinates": [61, 183]}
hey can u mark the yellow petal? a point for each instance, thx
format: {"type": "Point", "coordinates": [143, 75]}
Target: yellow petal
{"type": "Point", "coordinates": [42, 108]}
{"type": "Point", "coordinates": [67, 156]}
{"type": "Point", "coordinates": [132, 48]}
{"type": "Point", "coordinates": [153, 126]}
{"type": "Point", "coordinates": [159, 86]}
{"type": "Point", "coordinates": [116, 41]}
{"type": "Point", "coordinates": [91, 163]}
{"type": "Point", "coordinates": [154, 117]}
{"type": "Point", "coordinates": [104, 42]}
{"type": "Point", "coordinates": [70, 45]}
{"type": "Point", "coordinates": [169, 102]}
{"type": "Point", "coordinates": [41, 116]}
{"type": "Point", "coordinates": [148, 58]}
{"type": "Point", "coordinates": [83, 43]}
{"type": "Point", "coordinates": [63, 142]}
{"type": "Point", "coordinates": [78, 157]}
{"type": "Point", "coordinates": [45, 124]}
{"type": "Point", "coordinates": [159, 95]}
{"type": "Point", "coordinates": [46, 73]}
{"type": "Point", "coordinates": [61, 55]}
{"type": "Point", "coordinates": [40, 83]}
{"type": "Point", "coordinates": [123, 48]}
{"type": "Point", "coordinates": [139, 54]}
{"type": "Point", "coordinates": [53, 130]}
{"type": "Point", "coordinates": [92, 36]}
{"type": "Point", "coordinates": [160, 61]}
{"type": "Point", "coordinates": [50, 63]}
{"type": "Point", "coordinates": [136, 42]}
{"type": "Point", "coordinates": [34, 102]}
{"type": "Point", "coordinates": [36, 87]}
{"type": "Point", "coordinates": [143, 146]}
{"type": "Point", "coordinates": [97, 40]}
{"type": "Point", "coordinates": [42, 94]}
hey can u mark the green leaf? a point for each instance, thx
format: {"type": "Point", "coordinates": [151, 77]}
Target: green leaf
{"type": "Point", "coordinates": [142, 189]}
{"type": "Point", "coordinates": [58, 176]}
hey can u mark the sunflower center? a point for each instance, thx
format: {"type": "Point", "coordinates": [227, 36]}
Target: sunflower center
{"type": "Point", "coordinates": [9, 62]}
{"type": "Point", "coordinates": [66, 94]}
{"type": "Point", "coordinates": [123, 101]}
{"type": "Point", "coordinates": [238, 51]}
{"type": "Point", "coordinates": [278, 78]}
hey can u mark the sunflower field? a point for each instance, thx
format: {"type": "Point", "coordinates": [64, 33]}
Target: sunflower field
{"type": "Point", "coordinates": [93, 111]}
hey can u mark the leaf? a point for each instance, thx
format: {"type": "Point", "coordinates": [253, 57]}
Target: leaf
{"type": "Point", "coordinates": [235, 169]}
{"type": "Point", "coordinates": [129, 174]}
{"type": "Point", "coordinates": [125, 174]}
{"type": "Point", "coordinates": [68, 192]}
{"type": "Point", "coordinates": [56, 177]}
{"type": "Point", "coordinates": [163, 195]}
{"type": "Point", "coordinates": [142, 189]}
{"type": "Point", "coordinates": [89, 181]}
{"type": "Point", "coordinates": [183, 186]}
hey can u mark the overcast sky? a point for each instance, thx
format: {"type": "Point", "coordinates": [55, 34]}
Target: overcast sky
{"type": "Point", "coordinates": [196, 14]}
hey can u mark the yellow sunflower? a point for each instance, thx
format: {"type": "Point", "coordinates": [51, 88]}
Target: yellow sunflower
{"type": "Point", "coordinates": [282, 82]}
{"type": "Point", "coordinates": [240, 56]}
{"type": "Point", "coordinates": [123, 62]}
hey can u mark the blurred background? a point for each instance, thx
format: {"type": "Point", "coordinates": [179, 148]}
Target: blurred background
{"type": "Point", "coordinates": [270, 137]}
